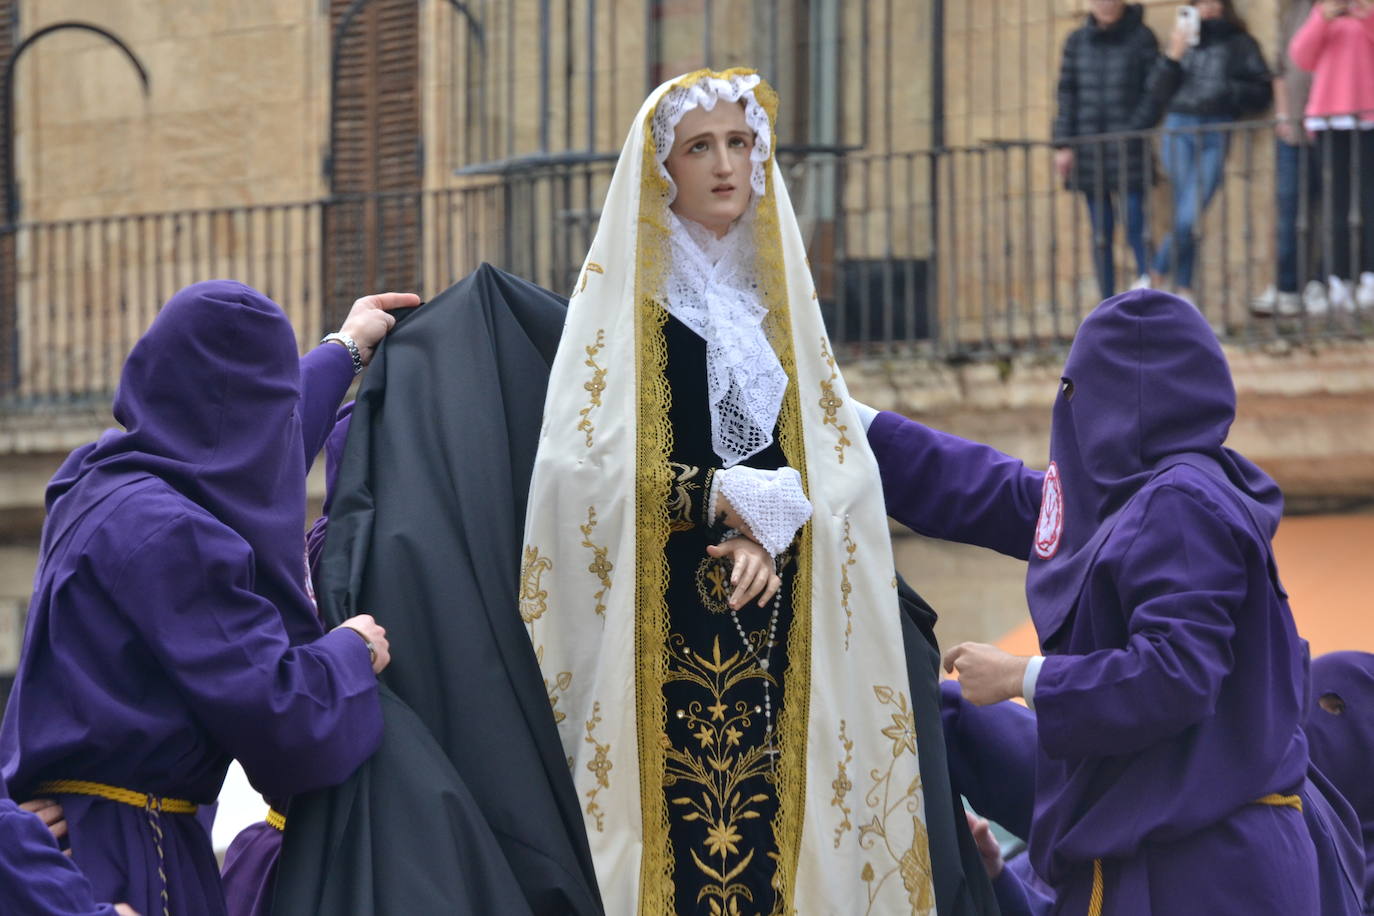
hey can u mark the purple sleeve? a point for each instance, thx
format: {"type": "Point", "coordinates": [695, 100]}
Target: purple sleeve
{"type": "Point", "coordinates": [35, 877]}
{"type": "Point", "coordinates": [326, 373]}
{"type": "Point", "coordinates": [950, 488]}
{"type": "Point", "coordinates": [1181, 580]}
{"type": "Point", "coordinates": [297, 718]}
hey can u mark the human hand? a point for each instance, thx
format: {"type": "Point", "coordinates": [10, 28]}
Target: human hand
{"type": "Point", "coordinates": [369, 320]}
{"type": "Point", "coordinates": [50, 813]}
{"type": "Point", "coordinates": [986, 673]}
{"type": "Point", "coordinates": [123, 909]}
{"type": "Point", "coordinates": [374, 635]}
{"type": "Point", "coordinates": [753, 571]}
{"type": "Point", "coordinates": [1179, 42]}
{"type": "Point", "coordinates": [988, 849]}
{"type": "Point", "coordinates": [1063, 162]}
{"type": "Point", "coordinates": [1334, 8]}
{"type": "Point", "coordinates": [1287, 131]}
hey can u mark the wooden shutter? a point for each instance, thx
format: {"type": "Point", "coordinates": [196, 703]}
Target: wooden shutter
{"type": "Point", "coordinates": [373, 230]}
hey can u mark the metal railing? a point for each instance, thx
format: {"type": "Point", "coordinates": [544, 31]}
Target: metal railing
{"type": "Point", "coordinates": [955, 253]}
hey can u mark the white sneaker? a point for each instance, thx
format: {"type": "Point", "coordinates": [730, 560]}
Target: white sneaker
{"type": "Point", "coordinates": [1364, 293]}
{"type": "Point", "coordinates": [1340, 296]}
{"type": "Point", "coordinates": [1314, 298]}
{"type": "Point", "coordinates": [1271, 300]}
{"type": "Point", "coordinates": [1142, 282]}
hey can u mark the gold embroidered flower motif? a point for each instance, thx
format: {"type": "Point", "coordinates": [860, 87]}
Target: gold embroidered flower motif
{"type": "Point", "coordinates": [908, 861]}
{"type": "Point", "coordinates": [599, 766]}
{"type": "Point", "coordinates": [601, 567]}
{"type": "Point", "coordinates": [842, 785]}
{"type": "Point", "coordinates": [846, 588]}
{"type": "Point", "coordinates": [831, 402]}
{"type": "Point", "coordinates": [594, 386]}
{"type": "Point", "coordinates": [721, 839]}
{"type": "Point", "coordinates": [533, 599]}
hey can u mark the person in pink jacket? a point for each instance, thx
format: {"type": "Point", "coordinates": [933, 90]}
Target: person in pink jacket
{"type": "Point", "coordinates": [1337, 45]}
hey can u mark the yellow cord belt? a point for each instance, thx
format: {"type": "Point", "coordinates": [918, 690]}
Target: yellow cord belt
{"type": "Point", "coordinates": [1273, 799]}
{"type": "Point", "coordinates": [275, 819]}
{"type": "Point", "coordinates": [152, 804]}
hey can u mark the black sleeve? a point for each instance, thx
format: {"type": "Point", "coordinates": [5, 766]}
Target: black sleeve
{"type": "Point", "coordinates": [1065, 120]}
{"type": "Point", "coordinates": [1148, 109]}
{"type": "Point", "coordinates": [1165, 77]}
{"type": "Point", "coordinates": [1250, 84]}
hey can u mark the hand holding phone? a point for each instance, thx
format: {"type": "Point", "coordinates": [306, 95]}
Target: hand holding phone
{"type": "Point", "coordinates": [1191, 22]}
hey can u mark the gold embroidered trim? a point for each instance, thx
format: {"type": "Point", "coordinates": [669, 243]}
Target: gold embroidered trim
{"type": "Point", "coordinates": [912, 865]}
{"type": "Point", "coordinates": [831, 402]}
{"type": "Point", "coordinates": [594, 385]}
{"type": "Point", "coordinates": [600, 767]}
{"type": "Point", "coordinates": [601, 566]}
{"type": "Point", "coordinates": [842, 785]}
{"type": "Point", "coordinates": [560, 683]}
{"type": "Point", "coordinates": [845, 587]}
{"type": "Point", "coordinates": [654, 435]}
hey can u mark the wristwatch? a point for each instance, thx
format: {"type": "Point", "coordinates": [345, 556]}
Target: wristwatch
{"type": "Point", "coordinates": [351, 345]}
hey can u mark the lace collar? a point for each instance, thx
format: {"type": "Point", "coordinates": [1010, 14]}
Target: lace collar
{"type": "Point", "coordinates": [712, 288]}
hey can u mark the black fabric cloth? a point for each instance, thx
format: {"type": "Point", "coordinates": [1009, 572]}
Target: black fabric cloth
{"type": "Point", "coordinates": [962, 887]}
{"type": "Point", "coordinates": [1224, 75]}
{"type": "Point", "coordinates": [469, 806]}
{"type": "Point", "coordinates": [1103, 75]}
{"type": "Point", "coordinates": [698, 622]}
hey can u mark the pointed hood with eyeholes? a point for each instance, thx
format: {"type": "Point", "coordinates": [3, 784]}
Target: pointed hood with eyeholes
{"type": "Point", "coordinates": [208, 399]}
{"type": "Point", "coordinates": [1340, 734]}
{"type": "Point", "coordinates": [1145, 386]}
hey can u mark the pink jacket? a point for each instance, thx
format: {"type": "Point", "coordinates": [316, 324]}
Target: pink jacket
{"type": "Point", "coordinates": [1340, 55]}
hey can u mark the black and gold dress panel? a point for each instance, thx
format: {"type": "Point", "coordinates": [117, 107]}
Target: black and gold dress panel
{"type": "Point", "coordinates": [724, 685]}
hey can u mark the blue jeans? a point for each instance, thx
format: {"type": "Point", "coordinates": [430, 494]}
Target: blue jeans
{"type": "Point", "coordinates": [1299, 193]}
{"type": "Point", "coordinates": [1194, 162]}
{"type": "Point", "coordinates": [1101, 211]}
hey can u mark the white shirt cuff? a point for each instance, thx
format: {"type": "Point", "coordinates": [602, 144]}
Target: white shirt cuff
{"type": "Point", "coordinates": [1028, 680]}
{"type": "Point", "coordinates": [866, 414]}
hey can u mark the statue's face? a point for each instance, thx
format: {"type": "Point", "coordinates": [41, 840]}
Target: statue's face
{"type": "Point", "coordinates": [710, 165]}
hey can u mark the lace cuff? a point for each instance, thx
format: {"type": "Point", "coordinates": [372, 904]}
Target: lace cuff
{"type": "Point", "coordinates": [772, 503]}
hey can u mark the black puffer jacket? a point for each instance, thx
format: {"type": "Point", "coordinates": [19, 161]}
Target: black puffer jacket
{"type": "Point", "coordinates": [1224, 75]}
{"type": "Point", "coordinates": [1103, 79]}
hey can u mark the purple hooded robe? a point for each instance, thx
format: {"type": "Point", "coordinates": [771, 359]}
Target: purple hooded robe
{"type": "Point", "coordinates": [250, 863]}
{"type": "Point", "coordinates": [36, 879]}
{"type": "Point", "coordinates": [1171, 697]}
{"type": "Point", "coordinates": [169, 629]}
{"type": "Point", "coordinates": [1342, 742]}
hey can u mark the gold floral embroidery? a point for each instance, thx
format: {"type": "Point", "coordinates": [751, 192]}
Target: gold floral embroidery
{"type": "Point", "coordinates": [680, 498]}
{"type": "Point", "coordinates": [911, 865]}
{"type": "Point", "coordinates": [592, 268]}
{"type": "Point", "coordinates": [842, 785]}
{"type": "Point", "coordinates": [534, 601]}
{"type": "Point", "coordinates": [716, 766]}
{"type": "Point", "coordinates": [845, 586]}
{"type": "Point", "coordinates": [601, 567]}
{"type": "Point", "coordinates": [600, 767]}
{"type": "Point", "coordinates": [713, 584]}
{"type": "Point", "coordinates": [831, 402]}
{"type": "Point", "coordinates": [594, 385]}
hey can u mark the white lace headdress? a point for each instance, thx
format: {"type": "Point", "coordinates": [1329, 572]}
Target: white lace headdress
{"type": "Point", "coordinates": [712, 287]}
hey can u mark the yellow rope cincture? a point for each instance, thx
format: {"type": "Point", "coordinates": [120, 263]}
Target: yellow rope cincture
{"type": "Point", "coordinates": [275, 819]}
{"type": "Point", "coordinates": [149, 802]}
{"type": "Point", "coordinates": [114, 793]}
{"type": "Point", "coordinates": [1095, 900]}
{"type": "Point", "coordinates": [1275, 800]}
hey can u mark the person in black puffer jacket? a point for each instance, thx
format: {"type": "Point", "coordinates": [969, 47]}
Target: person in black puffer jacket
{"type": "Point", "coordinates": [1102, 89]}
{"type": "Point", "coordinates": [1222, 78]}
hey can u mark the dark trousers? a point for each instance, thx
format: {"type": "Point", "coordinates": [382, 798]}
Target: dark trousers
{"type": "Point", "coordinates": [1347, 165]}
{"type": "Point", "coordinates": [1102, 209]}
{"type": "Point", "coordinates": [1299, 206]}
